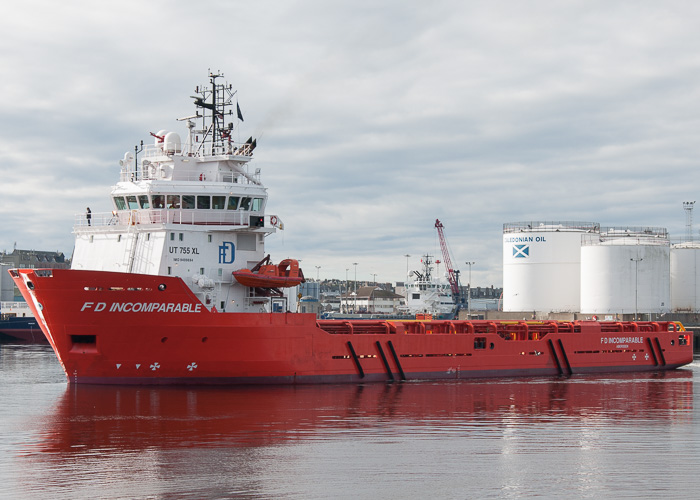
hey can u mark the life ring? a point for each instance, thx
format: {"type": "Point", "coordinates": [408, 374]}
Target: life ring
{"type": "Point", "coordinates": [202, 177]}
{"type": "Point", "coordinates": [273, 220]}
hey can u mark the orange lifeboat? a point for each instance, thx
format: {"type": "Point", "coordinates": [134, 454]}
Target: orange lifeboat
{"type": "Point", "coordinates": [267, 275]}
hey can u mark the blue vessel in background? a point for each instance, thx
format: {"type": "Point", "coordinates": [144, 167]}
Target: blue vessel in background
{"type": "Point", "coordinates": [18, 324]}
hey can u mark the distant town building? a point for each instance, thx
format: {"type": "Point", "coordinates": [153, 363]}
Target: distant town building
{"type": "Point", "coordinates": [371, 300]}
{"type": "Point", "coordinates": [35, 259]}
{"type": "Point", "coordinates": [337, 296]}
{"type": "Point", "coordinates": [31, 259]}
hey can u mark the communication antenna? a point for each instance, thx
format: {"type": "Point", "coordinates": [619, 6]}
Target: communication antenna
{"type": "Point", "coordinates": [688, 207]}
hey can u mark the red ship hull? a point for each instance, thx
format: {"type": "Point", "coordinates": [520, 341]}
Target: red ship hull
{"type": "Point", "coordinates": [117, 328]}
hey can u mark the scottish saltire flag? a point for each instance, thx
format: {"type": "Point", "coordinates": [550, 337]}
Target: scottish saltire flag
{"type": "Point", "coordinates": [521, 251]}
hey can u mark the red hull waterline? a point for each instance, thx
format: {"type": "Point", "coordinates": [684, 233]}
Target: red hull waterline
{"type": "Point", "coordinates": [119, 328]}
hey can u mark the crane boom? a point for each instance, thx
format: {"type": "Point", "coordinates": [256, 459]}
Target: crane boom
{"type": "Point", "coordinates": [452, 275]}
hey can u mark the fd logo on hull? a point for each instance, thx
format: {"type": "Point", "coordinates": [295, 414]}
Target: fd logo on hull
{"type": "Point", "coordinates": [227, 253]}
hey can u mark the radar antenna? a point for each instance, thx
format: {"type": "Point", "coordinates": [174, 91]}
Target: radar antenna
{"type": "Point", "coordinates": [216, 104]}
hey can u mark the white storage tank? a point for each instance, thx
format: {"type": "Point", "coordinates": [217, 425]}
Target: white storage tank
{"type": "Point", "coordinates": [626, 271]}
{"type": "Point", "coordinates": [685, 277]}
{"type": "Point", "coordinates": [542, 265]}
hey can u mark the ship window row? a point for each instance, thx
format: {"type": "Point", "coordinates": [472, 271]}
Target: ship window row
{"type": "Point", "coordinates": [189, 202]}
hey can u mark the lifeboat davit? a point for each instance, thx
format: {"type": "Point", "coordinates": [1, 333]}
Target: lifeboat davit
{"type": "Point", "coordinates": [267, 275]}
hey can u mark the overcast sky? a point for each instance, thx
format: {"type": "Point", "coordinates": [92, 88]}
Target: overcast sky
{"type": "Point", "coordinates": [373, 118]}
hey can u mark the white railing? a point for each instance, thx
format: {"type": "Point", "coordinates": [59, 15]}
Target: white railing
{"type": "Point", "coordinates": [199, 149]}
{"type": "Point", "coordinates": [153, 157]}
{"type": "Point", "coordinates": [16, 307]}
{"type": "Point", "coordinates": [588, 240]}
{"type": "Point", "coordinates": [148, 174]}
{"type": "Point", "coordinates": [627, 236]}
{"type": "Point", "coordinates": [551, 226]}
{"type": "Point", "coordinates": [159, 217]}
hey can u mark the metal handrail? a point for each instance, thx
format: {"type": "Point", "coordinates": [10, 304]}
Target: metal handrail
{"type": "Point", "coordinates": [550, 226]}
{"type": "Point", "coordinates": [145, 174]}
{"type": "Point", "coordinates": [159, 217]}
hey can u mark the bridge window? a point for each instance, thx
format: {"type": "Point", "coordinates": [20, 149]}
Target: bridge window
{"type": "Point", "coordinates": [173, 201]}
{"type": "Point", "coordinates": [203, 202]}
{"type": "Point", "coordinates": [131, 201]}
{"type": "Point", "coordinates": [233, 202]}
{"type": "Point", "coordinates": [143, 201]}
{"type": "Point", "coordinates": [218, 202]}
{"type": "Point", "coordinates": [158, 201]}
{"type": "Point", "coordinates": [120, 203]}
{"type": "Point", "coordinates": [187, 201]}
{"type": "Point", "coordinates": [245, 204]}
{"type": "Point", "coordinates": [257, 205]}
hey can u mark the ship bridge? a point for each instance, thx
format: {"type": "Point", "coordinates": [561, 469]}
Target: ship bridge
{"type": "Point", "coordinates": [194, 210]}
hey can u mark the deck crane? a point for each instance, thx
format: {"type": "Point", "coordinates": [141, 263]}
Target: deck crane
{"type": "Point", "coordinates": [452, 274]}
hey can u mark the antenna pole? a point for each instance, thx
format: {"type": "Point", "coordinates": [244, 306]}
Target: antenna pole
{"type": "Point", "coordinates": [215, 136]}
{"type": "Point", "coordinates": [136, 160]}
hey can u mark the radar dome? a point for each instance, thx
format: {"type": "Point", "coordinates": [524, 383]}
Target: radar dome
{"type": "Point", "coordinates": [128, 159]}
{"type": "Point", "coordinates": [172, 143]}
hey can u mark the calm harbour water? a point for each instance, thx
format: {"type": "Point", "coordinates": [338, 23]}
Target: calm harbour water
{"type": "Point", "coordinates": [626, 436]}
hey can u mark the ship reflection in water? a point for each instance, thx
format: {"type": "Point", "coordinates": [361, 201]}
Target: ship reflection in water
{"type": "Point", "coordinates": [134, 418]}
{"type": "Point", "coordinates": [587, 436]}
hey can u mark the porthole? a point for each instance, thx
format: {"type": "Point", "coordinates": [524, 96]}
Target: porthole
{"type": "Point", "coordinates": [162, 287]}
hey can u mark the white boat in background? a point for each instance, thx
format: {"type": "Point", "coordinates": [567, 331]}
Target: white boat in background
{"type": "Point", "coordinates": [428, 294]}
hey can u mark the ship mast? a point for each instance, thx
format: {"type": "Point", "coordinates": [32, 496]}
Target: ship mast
{"type": "Point", "coordinates": [215, 130]}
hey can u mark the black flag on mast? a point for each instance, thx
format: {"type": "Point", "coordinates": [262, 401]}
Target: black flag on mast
{"type": "Point", "coordinates": [238, 110]}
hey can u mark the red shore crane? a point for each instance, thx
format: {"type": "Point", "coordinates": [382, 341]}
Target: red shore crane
{"type": "Point", "coordinates": [452, 274]}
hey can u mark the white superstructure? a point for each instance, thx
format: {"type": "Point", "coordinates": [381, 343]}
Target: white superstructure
{"type": "Point", "coordinates": [625, 270]}
{"type": "Point", "coordinates": [196, 210]}
{"type": "Point", "coordinates": [542, 265]}
{"type": "Point", "coordinates": [427, 294]}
